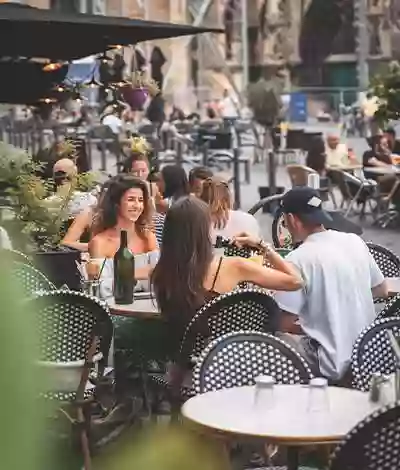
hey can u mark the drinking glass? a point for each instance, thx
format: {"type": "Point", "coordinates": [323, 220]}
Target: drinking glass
{"type": "Point", "coordinates": [318, 397]}
{"type": "Point", "coordinates": [93, 267]}
{"type": "Point", "coordinates": [264, 393]}
{"type": "Point", "coordinates": [92, 287]}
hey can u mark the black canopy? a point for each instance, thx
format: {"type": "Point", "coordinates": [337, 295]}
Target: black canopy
{"type": "Point", "coordinates": [32, 32]}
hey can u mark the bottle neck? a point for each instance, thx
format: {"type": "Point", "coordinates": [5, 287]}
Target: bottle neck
{"type": "Point", "coordinates": [124, 239]}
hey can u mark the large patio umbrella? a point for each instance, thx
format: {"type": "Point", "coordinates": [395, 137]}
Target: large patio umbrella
{"type": "Point", "coordinates": [32, 32]}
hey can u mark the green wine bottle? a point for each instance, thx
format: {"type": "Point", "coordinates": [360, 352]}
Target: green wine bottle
{"type": "Point", "coordinates": [124, 272]}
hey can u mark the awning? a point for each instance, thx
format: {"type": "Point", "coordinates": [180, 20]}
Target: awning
{"type": "Point", "coordinates": [32, 32]}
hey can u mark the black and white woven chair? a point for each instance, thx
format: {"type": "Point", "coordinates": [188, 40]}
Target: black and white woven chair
{"type": "Point", "coordinates": [249, 309]}
{"type": "Point", "coordinates": [374, 444]}
{"type": "Point", "coordinates": [30, 279]}
{"type": "Point", "coordinates": [67, 322]}
{"type": "Point", "coordinates": [236, 359]}
{"type": "Point", "coordinates": [387, 261]}
{"type": "Point", "coordinates": [240, 310]}
{"type": "Point", "coordinates": [391, 308]}
{"type": "Point", "coordinates": [372, 352]}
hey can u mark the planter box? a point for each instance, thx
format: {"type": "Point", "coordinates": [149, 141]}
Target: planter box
{"type": "Point", "coordinates": [60, 267]}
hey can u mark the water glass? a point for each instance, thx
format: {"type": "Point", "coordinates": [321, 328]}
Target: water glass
{"type": "Point", "coordinates": [92, 287]}
{"type": "Point", "coordinates": [264, 393]}
{"type": "Point", "coordinates": [318, 396]}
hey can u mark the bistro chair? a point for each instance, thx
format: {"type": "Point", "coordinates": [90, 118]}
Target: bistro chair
{"type": "Point", "coordinates": [372, 352]}
{"type": "Point", "coordinates": [239, 310]}
{"type": "Point", "coordinates": [74, 334]}
{"type": "Point", "coordinates": [236, 359]}
{"type": "Point", "coordinates": [374, 444]}
{"type": "Point", "coordinates": [391, 308]}
{"type": "Point", "coordinates": [251, 309]}
{"type": "Point", "coordinates": [387, 261]}
{"type": "Point", "coordinates": [31, 280]}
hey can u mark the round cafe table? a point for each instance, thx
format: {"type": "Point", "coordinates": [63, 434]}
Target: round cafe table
{"type": "Point", "coordinates": [232, 412]}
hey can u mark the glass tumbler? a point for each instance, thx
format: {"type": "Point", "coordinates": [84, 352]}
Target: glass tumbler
{"type": "Point", "coordinates": [318, 396]}
{"type": "Point", "coordinates": [264, 393]}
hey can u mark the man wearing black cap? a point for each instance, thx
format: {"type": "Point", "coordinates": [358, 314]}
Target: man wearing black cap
{"type": "Point", "coordinates": [323, 320]}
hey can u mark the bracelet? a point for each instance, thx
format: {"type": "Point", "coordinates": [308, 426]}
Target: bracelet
{"type": "Point", "coordinates": [264, 247]}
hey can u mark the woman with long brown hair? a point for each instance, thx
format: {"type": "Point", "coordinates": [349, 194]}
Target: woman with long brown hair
{"type": "Point", "coordinates": [226, 222]}
{"type": "Point", "coordinates": [126, 206]}
{"type": "Point", "coordinates": [188, 272]}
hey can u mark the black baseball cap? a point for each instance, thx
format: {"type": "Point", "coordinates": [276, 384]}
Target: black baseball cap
{"type": "Point", "coordinates": [306, 203]}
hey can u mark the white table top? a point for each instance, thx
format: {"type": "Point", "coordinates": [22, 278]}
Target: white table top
{"type": "Point", "coordinates": [383, 170]}
{"type": "Point", "coordinates": [140, 308]}
{"type": "Point", "coordinates": [232, 411]}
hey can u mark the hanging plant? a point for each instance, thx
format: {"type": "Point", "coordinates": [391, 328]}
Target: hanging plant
{"type": "Point", "coordinates": [136, 92]}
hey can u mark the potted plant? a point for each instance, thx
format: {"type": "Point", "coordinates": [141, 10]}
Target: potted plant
{"type": "Point", "coordinates": [40, 218]}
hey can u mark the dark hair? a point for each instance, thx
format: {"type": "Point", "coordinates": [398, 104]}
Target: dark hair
{"type": "Point", "coordinates": [134, 157]}
{"type": "Point", "coordinates": [316, 156]}
{"type": "Point", "coordinates": [199, 173]}
{"type": "Point", "coordinates": [390, 131]}
{"type": "Point", "coordinates": [176, 182]}
{"type": "Point", "coordinates": [185, 259]}
{"type": "Point", "coordinates": [211, 114]}
{"type": "Point", "coordinates": [108, 208]}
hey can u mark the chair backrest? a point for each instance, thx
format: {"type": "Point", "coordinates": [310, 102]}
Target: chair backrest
{"type": "Point", "coordinates": [391, 308]}
{"type": "Point", "coordinates": [374, 444]}
{"type": "Point", "coordinates": [250, 309]}
{"type": "Point", "coordinates": [298, 174]}
{"type": "Point", "coordinates": [30, 279]}
{"type": "Point", "coordinates": [236, 359]}
{"type": "Point", "coordinates": [387, 261]}
{"type": "Point", "coordinates": [372, 352]}
{"type": "Point", "coordinates": [67, 321]}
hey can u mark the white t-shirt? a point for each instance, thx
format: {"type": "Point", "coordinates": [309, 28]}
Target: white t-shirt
{"type": "Point", "coordinates": [238, 222]}
{"type": "Point", "coordinates": [229, 108]}
{"type": "Point", "coordinates": [113, 122]}
{"type": "Point", "coordinates": [336, 302]}
{"type": "Point", "coordinates": [337, 157]}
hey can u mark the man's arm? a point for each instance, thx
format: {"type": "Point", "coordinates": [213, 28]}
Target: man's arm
{"type": "Point", "coordinates": [291, 304]}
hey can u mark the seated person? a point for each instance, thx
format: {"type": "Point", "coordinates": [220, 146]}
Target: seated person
{"type": "Point", "coordinates": [323, 320]}
{"type": "Point", "coordinates": [380, 155]}
{"type": "Point", "coordinates": [337, 153]}
{"type": "Point", "coordinates": [226, 222]}
{"type": "Point", "coordinates": [393, 143]}
{"type": "Point", "coordinates": [189, 274]}
{"type": "Point", "coordinates": [197, 176]}
{"type": "Point", "coordinates": [126, 206]}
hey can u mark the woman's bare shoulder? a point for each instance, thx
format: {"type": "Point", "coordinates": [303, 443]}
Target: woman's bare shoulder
{"type": "Point", "coordinates": [99, 245]}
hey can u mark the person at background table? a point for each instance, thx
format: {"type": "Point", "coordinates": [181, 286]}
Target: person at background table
{"type": "Point", "coordinates": [173, 184]}
{"type": "Point", "coordinates": [197, 176]}
{"type": "Point", "coordinates": [324, 318]}
{"type": "Point", "coordinates": [226, 222]}
{"type": "Point", "coordinates": [188, 274]}
{"type": "Point", "coordinates": [393, 143]}
{"type": "Point", "coordinates": [380, 156]}
{"type": "Point", "coordinates": [337, 153]}
{"type": "Point", "coordinates": [137, 164]}
{"type": "Point", "coordinates": [65, 174]}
